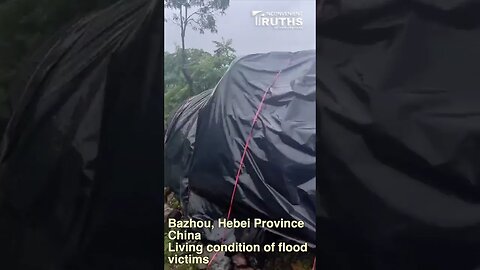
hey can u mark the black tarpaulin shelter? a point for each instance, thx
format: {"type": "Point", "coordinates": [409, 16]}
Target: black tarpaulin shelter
{"type": "Point", "coordinates": [206, 137]}
{"type": "Point", "coordinates": [398, 96]}
{"type": "Point", "coordinates": [80, 185]}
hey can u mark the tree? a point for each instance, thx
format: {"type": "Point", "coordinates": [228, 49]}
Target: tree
{"type": "Point", "coordinates": [200, 16]}
{"type": "Point", "coordinates": [224, 48]}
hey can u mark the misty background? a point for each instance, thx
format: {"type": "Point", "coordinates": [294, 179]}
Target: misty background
{"type": "Point", "coordinates": [238, 24]}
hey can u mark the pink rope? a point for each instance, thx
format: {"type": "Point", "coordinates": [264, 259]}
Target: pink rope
{"type": "Point", "coordinates": [245, 148]}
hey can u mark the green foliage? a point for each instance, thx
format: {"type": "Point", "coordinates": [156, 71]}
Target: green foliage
{"type": "Point", "coordinates": [206, 70]}
{"type": "Point", "coordinates": [173, 68]}
{"type": "Point", "coordinates": [224, 47]}
{"type": "Point", "coordinates": [173, 98]}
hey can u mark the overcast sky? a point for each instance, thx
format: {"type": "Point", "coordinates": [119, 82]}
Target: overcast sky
{"type": "Point", "coordinates": [239, 25]}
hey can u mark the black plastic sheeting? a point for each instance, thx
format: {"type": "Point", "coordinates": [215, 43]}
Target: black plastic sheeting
{"type": "Point", "coordinates": [205, 140]}
{"type": "Point", "coordinates": [398, 134]}
{"type": "Point", "coordinates": [80, 185]}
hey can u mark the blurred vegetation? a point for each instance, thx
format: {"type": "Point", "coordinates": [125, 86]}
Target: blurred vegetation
{"type": "Point", "coordinates": [206, 70]}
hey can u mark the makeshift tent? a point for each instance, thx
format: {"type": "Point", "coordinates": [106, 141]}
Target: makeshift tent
{"type": "Point", "coordinates": [398, 134]}
{"type": "Point", "coordinates": [80, 184]}
{"type": "Point", "coordinates": [206, 138]}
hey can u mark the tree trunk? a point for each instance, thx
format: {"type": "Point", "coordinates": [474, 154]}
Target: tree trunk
{"type": "Point", "coordinates": [185, 71]}
{"type": "Point", "coordinates": [186, 74]}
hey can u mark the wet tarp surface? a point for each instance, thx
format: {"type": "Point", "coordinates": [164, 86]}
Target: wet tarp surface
{"type": "Point", "coordinates": [80, 186]}
{"type": "Point", "coordinates": [206, 137]}
{"type": "Point", "coordinates": [398, 134]}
